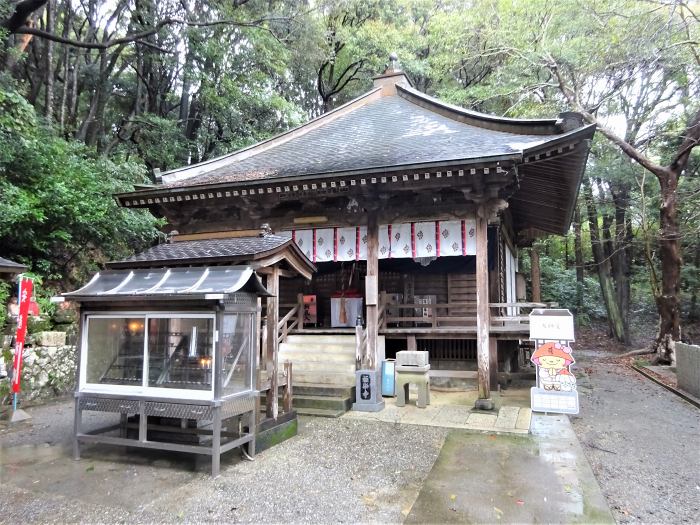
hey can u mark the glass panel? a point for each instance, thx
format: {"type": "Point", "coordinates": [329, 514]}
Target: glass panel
{"type": "Point", "coordinates": [180, 353]}
{"type": "Point", "coordinates": [115, 350]}
{"type": "Point", "coordinates": [236, 351]}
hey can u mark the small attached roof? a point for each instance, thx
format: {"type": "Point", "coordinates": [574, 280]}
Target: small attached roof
{"type": "Point", "coordinates": [11, 267]}
{"type": "Point", "coordinates": [255, 252]}
{"type": "Point", "coordinates": [167, 283]}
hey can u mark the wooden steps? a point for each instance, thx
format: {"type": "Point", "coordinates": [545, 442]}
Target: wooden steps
{"type": "Point", "coordinates": [323, 372]}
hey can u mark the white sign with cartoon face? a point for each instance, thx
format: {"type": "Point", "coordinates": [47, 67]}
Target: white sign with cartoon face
{"type": "Point", "coordinates": [556, 385]}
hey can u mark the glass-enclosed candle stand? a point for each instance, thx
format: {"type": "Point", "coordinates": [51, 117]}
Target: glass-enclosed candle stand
{"type": "Point", "coordinates": [172, 352]}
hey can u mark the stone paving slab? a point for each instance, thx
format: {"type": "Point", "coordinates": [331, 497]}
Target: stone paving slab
{"type": "Point", "coordinates": [524, 419]}
{"type": "Point", "coordinates": [506, 420]}
{"type": "Point", "coordinates": [543, 477]}
{"type": "Point", "coordinates": [507, 417]}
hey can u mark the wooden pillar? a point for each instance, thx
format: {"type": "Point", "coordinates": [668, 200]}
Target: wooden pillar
{"type": "Point", "coordinates": [371, 287]}
{"type": "Point", "coordinates": [493, 363]}
{"type": "Point", "coordinates": [482, 309]}
{"type": "Point", "coordinates": [287, 397]}
{"type": "Point", "coordinates": [273, 286]}
{"type": "Point", "coordinates": [535, 274]}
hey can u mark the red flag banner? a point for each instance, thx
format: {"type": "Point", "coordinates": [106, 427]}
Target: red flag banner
{"type": "Point", "coordinates": [26, 286]}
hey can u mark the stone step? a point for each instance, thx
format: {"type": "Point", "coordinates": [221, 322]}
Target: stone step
{"type": "Point", "coordinates": [319, 389]}
{"type": "Point", "coordinates": [332, 379]}
{"type": "Point", "coordinates": [323, 367]}
{"type": "Point", "coordinates": [316, 356]}
{"type": "Point", "coordinates": [317, 402]}
{"type": "Point", "coordinates": [321, 339]}
{"type": "Point", "coordinates": [326, 348]}
{"type": "Point", "coordinates": [320, 412]}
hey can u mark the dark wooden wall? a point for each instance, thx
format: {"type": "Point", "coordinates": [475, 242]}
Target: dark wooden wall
{"type": "Point", "coordinates": [446, 287]}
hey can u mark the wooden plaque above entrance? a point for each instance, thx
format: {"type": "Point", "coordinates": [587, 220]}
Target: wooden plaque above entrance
{"type": "Point", "coordinates": [396, 241]}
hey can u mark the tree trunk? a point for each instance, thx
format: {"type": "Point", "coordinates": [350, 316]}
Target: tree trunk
{"type": "Point", "coordinates": [621, 255]}
{"type": "Point", "coordinates": [667, 302]}
{"type": "Point", "coordinates": [49, 72]}
{"type": "Point", "coordinates": [693, 312]}
{"type": "Point", "coordinates": [607, 286]}
{"type": "Point", "coordinates": [535, 274]}
{"type": "Point", "coordinates": [578, 253]}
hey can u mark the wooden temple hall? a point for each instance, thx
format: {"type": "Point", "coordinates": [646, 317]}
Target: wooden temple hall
{"type": "Point", "coordinates": [395, 213]}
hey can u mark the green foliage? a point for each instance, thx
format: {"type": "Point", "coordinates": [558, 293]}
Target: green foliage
{"type": "Point", "coordinates": [38, 324]}
{"type": "Point", "coordinates": [559, 285]}
{"type": "Point", "coordinates": [57, 214]}
{"type": "Point", "coordinates": [159, 141]}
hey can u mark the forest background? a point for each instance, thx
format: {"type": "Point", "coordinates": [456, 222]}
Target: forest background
{"type": "Point", "coordinates": [97, 94]}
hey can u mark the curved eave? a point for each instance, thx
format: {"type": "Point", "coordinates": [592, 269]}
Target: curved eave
{"type": "Point", "coordinates": [482, 120]}
{"type": "Point", "coordinates": [548, 187]}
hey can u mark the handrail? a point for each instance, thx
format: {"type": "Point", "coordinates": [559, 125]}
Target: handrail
{"type": "Point", "coordinates": [291, 313]}
{"type": "Point", "coordinates": [381, 314]}
{"type": "Point", "coordinates": [442, 314]}
{"type": "Point", "coordinates": [292, 319]}
{"type": "Point", "coordinates": [430, 305]}
{"type": "Point", "coordinates": [524, 305]}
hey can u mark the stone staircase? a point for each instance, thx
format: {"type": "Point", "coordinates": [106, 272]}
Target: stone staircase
{"type": "Point", "coordinates": [323, 371]}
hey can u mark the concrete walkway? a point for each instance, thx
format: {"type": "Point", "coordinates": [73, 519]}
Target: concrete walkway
{"type": "Point", "coordinates": [540, 478]}
{"type": "Point", "coordinates": [455, 410]}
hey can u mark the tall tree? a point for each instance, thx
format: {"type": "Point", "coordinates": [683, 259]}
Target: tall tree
{"type": "Point", "coordinates": [630, 68]}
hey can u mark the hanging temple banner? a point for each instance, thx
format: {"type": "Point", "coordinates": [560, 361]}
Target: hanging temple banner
{"type": "Point", "coordinates": [396, 241]}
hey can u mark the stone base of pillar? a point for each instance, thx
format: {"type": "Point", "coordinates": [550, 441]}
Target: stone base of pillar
{"type": "Point", "coordinates": [369, 407]}
{"type": "Point", "coordinates": [484, 404]}
{"type": "Point", "coordinates": [19, 415]}
{"type": "Point", "coordinates": [368, 391]}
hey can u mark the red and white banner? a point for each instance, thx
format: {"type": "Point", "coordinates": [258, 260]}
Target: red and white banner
{"type": "Point", "coordinates": [396, 241]}
{"type": "Point", "coordinates": [26, 286]}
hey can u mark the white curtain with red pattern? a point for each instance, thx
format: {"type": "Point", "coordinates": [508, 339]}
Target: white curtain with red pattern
{"type": "Point", "coordinates": [411, 240]}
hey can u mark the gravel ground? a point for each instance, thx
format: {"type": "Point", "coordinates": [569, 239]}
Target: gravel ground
{"type": "Point", "coordinates": [642, 441]}
{"type": "Point", "coordinates": [333, 471]}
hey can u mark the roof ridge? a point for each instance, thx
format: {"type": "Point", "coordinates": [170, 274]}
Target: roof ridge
{"type": "Point", "coordinates": [259, 147]}
{"type": "Point", "coordinates": [542, 126]}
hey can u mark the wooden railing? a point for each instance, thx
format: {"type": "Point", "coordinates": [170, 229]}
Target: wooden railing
{"type": "Point", "coordinates": [501, 317]}
{"type": "Point", "coordinates": [269, 380]}
{"type": "Point", "coordinates": [287, 323]}
{"type": "Point", "coordinates": [293, 319]}
{"type": "Point", "coordinates": [442, 315]}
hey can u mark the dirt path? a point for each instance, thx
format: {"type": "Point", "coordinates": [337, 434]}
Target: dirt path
{"type": "Point", "coordinates": [642, 441]}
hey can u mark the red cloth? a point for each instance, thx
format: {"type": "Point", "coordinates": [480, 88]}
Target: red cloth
{"type": "Point", "coordinates": [34, 309]}
{"type": "Point", "coordinates": [354, 294]}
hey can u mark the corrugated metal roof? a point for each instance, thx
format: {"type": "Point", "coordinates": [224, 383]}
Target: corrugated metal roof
{"type": "Point", "coordinates": [192, 282]}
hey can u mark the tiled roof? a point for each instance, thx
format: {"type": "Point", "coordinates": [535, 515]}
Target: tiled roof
{"type": "Point", "coordinates": [209, 249]}
{"type": "Point", "coordinates": [6, 265]}
{"type": "Point", "coordinates": [387, 131]}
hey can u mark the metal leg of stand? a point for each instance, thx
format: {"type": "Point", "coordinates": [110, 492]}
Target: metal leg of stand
{"type": "Point", "coordinates": [252, 429]}
{"type": "Point", "coordinates": [216, 443]}
{"type": "Point", "coordinates": [77, 428]}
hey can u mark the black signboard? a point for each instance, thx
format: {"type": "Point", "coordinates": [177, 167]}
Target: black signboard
{"type": "Point", "coordinates": [365, 388]}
